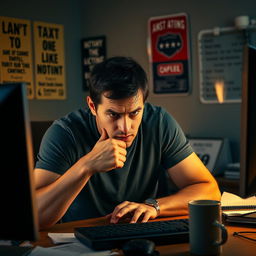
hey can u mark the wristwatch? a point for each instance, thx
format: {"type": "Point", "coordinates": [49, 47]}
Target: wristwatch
{"type": "Point", "coordinates": [154, 203]}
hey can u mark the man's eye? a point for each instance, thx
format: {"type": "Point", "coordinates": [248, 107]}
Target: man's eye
{"type": "Point", "coordinates": [113, 115]}
{"type": "Point", "coordinates": [135, 113]}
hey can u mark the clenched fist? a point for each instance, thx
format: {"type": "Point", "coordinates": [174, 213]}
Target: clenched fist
{"type": "Point", "coordinates": [107, 154]}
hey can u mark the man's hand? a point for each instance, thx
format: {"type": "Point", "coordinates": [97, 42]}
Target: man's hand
{"type": "Point", "coordinates": [135, 210]}
{"type": "Point", "coordinates": [107, 154]}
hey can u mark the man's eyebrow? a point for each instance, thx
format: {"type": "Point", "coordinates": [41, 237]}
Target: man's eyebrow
{"type": "Point", "coordinates": [137, 109]}
{"type": "Point", "coordinates": [111, 111]}
{"type": "Point", "coordinates": [119, 113]}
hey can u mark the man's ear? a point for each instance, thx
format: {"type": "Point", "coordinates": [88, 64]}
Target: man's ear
{"type": "Point", "coordinates": [91, 105]}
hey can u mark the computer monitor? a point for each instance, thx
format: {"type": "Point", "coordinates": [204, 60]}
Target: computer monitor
{"type": "Point", "coordinates": [248, 124]}
{"type": "Point", "coordinates": [18, 214]}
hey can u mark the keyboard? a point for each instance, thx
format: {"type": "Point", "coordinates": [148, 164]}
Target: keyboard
{"type": "Point", "coordinates": [115, 235]}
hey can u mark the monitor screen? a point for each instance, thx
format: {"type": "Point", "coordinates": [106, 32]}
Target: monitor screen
{"type": "Point", "coordinates": [18, 214]}
{"type": "Point", "coordinates": [248, 124]}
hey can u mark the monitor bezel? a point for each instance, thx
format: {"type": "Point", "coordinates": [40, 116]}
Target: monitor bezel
{"type": "Point", "coordinates": [19, 90]}
{"type": "Point", "coordinates": [248, 124]}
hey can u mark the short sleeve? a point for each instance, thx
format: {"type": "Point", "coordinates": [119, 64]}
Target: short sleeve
{"type": "Point", "coordinates": [55, 153]}
{"type": "Point", "coordinates": [175, 145]}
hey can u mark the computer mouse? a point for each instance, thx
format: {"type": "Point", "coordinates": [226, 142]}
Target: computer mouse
{"type": "Point", "coordinates": [139, 247]}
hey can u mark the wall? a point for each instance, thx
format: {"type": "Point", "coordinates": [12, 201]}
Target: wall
{"type": "Point", "coordinates": [124, 22]}
{"type": "Point", "coordinates": [64, 12]}
{"type": "Point", "coordinates": [125, 25]}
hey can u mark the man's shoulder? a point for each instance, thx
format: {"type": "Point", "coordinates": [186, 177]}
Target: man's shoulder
{"type": "Point", "coordinates": [77, 117]}
{"type": "Point", "coordinates": [153, 112]}
{"type": "Point", "coordinates": [156, 117]}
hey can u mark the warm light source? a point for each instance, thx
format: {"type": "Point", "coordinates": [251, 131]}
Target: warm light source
{"type": "Point", "coordinates": [219, 89]}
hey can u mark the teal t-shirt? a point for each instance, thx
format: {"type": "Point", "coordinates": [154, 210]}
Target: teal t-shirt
{"type": "Point", "coordinates": [159, 145]}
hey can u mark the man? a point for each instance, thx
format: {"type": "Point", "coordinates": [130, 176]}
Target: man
{"type": "Point", "coordinates": [107, 159]}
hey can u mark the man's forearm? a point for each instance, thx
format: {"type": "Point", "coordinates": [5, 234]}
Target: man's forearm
{"type": "Point", "coordinates": [177, 204]}
{"type": "Point", "coordinates": [54, 199]}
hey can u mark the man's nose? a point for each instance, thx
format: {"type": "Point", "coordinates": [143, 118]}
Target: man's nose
{"type": "Point", "coordinates": [124, 124]}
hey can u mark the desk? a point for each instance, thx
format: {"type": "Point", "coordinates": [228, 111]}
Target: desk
{"type": "Point", "coordinates": [235, 246]}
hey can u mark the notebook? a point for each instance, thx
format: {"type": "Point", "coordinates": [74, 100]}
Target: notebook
{"type": "Point", "coordinates": [238, 210]}
{"type": "Point", "coordinates": [231, 201]}
{"type": "Point", "coordinates": [247, 218]}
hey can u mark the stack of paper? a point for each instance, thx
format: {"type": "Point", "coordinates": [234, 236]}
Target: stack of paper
{"type": "Point", "coordinates": [70, 246]}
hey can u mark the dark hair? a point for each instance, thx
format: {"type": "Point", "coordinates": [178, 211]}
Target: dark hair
{"type": "Point", "coordinates": [120, 77]}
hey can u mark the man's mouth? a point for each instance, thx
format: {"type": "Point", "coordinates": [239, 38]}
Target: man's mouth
{"type": "Point", "coordinates": [124, 137]}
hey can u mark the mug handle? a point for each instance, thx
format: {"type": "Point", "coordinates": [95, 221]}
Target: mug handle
{"type": "Point", "coordinates": [224, 233]}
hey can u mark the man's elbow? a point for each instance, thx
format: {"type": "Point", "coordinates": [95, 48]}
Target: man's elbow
{"type": "Point", "coordinates": [46, 223]}
{"type": "Point", "coordinates": [214, 190]}
{"type": "Point", "coordinates": [46, 217]}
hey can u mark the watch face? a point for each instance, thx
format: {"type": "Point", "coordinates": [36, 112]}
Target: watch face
{"type": "Point", "coordinates": [154, 203]}
{"type": "Point", "coordinates": [150, 201]}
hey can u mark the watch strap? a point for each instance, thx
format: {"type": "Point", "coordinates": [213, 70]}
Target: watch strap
{"type": "Point", "coordinates": [154, 203]}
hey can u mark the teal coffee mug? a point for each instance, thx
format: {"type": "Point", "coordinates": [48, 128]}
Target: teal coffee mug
{"type": "Point", "coordinates": [206, 232]}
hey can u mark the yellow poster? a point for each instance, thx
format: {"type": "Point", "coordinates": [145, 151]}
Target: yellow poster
{"type": "Point", "coordinates": [16, 52]}
{"type": "Point", "coordinates": [49, 61]}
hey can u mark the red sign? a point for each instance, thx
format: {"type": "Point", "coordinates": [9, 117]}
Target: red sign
{"type": "Point", "coordinates": [170, 53]}
{"type": "Point", "coordinates": [170, 69]}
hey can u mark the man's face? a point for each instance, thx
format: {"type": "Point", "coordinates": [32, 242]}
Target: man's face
{"type": "Point", "coordinates": [121, 118]}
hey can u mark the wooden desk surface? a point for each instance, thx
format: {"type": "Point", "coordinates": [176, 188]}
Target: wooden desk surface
{"type": "Point", "coordinates": [235, 246]}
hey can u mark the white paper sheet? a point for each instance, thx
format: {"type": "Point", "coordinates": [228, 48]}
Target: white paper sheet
{"type": "Point", "coordinates": [69, 245]}
{"type": "Point", "coordinates": [71, 249]}
{"type": "Point", "coordinates": [40, 251]}
{"type": "Point", "coordinates": [237, 212]}
{"type": "Point", "coordinates": [61, 238]}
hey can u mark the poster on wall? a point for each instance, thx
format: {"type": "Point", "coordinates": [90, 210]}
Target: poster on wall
{"type": "Point", "coordinates": [220, 64]}
{"type": "Point", "coordinates": [169, 54]}
{"type": "Point", "coordinates": [16, 52]}
{"type": "Point", "coordinates": [49, 61]}
{"type": "Point", "coordinates": [93, 52]}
